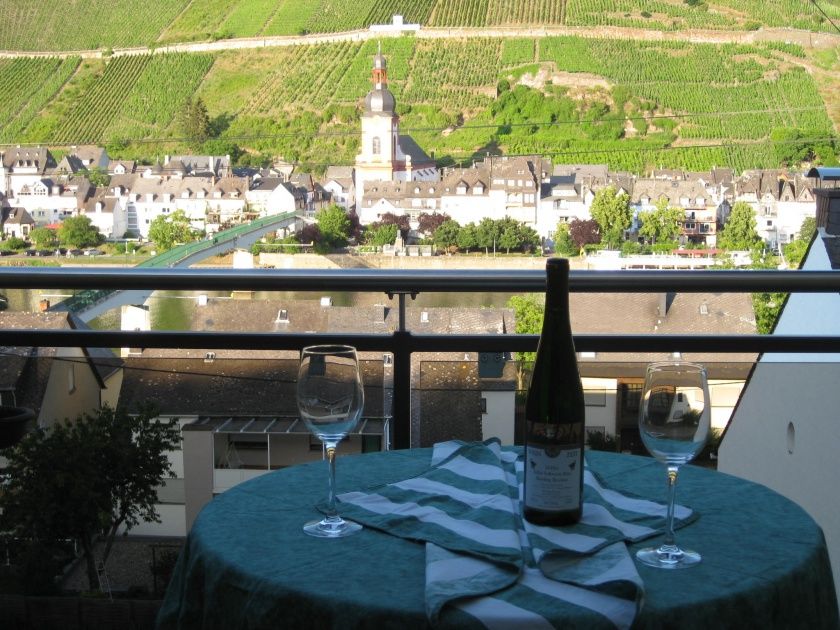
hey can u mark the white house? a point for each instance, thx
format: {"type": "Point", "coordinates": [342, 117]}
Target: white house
{"type": "Point", "coordinates": [339, 183]}
{"type": "Point", "coordinates": [107, 213]}
{"type": "Point", "coordinates": [23, 166]}
{"type": "Point", "coordinates": [785, 430]}
{"type": "Point", "coordinates": [16, 222]}
{"type": "Point", "coordinates": [274, 195]}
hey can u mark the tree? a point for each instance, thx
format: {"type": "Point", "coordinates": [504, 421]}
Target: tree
{"type": "Point", "coordinates": [662, 223]}
{"type": "Point", "coordinates": [98, 176]}
{"type": "Point", "coordinates": [446, 235]}
{"type": "Point", "coordinates": [739, 233]}
{"type": "Point", "coordinates": [807, 229]}
{"type": "Point", "coordinates": [584, 232]}
{"type": "Point", "coordinates": [167, 230]}
{"type": "Point", "coordinates": [612, 212]}
{"type": "Point", "coordinates": [528, 310]}
{"type": "Point", "coordinates": [334, 225]}
{"type": "Point", "coordinates": [468, 237]}
{"type": "Point", "coordinates": [382, 235]}
{"type": "Point", "coordinates": [428, 223]}
{"type": "Point", "coordinates": [488, 233]}
{"type": "Point", "coordinates": [400, 220]}
{"type": "Point", "coordinates": [194, 122]}
{"type": "Point", "coordinates": [79, 232]}
{"type": "Point", "coordinates": [563, 243]}
{"type": "Point", "coordinates": [43, 237]}
{"type": "Point", "coordinates": [80, 479]}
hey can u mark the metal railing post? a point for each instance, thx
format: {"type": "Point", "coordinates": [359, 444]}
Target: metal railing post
{"type": "Point", "coordinates": [402, 375]}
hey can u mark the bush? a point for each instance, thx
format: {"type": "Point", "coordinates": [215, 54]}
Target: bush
{"type": "Point", "coordinates": [13, 243]}
{"type": "Point", "coordinates": [598, 441]}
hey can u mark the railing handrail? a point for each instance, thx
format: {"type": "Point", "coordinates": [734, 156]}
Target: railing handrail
{"type": "Point", "coordinates": [417, 281]}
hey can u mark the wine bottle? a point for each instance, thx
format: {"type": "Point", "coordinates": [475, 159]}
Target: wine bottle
{"type": "Point", "coordinates": [554, 414]}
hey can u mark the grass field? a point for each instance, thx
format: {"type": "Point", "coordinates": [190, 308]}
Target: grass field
{"type": "Point", "coordinates": [90, 24]}
{"type": "Point", "coordinates": [629, 104]}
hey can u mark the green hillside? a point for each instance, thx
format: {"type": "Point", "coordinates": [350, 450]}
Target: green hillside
{"type": "Point", "coordinates": [90, 24]}
{"type": "Point", "coordinates": [630, 104]}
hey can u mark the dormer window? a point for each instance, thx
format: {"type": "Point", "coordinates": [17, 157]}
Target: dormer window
{"type": "Point", "coordinates": [209, 357]}
{"type": "Point", "coordinates": [282, 316]}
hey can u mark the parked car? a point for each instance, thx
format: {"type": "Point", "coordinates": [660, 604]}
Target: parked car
{"type": "Point", "coordinates": [60, 251]}
{"type": "Point", "coordinates": [6, 252]}
{"type": "Point", "coordinates": [74, 252]}
{"type": "Point", "coordinates": [44, 252]}
{"type": "Point", "coordinates": [29, 252]}
{"type": "Point", "coordinates": [93, 252]}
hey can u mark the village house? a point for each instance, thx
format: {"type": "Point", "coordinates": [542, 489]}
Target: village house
{"type": "Point", "coordinates": [16, 222]}
{"type": "Point", "coordinates": [339, 183]}
{"type": "Point", "coordinates": [275, 195]}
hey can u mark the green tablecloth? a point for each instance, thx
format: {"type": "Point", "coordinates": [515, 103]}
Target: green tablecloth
{"type": "Point", "coordinates": [248, 564]}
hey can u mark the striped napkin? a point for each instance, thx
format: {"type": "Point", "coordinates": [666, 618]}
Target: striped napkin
{"type": "Point", "coordinates": [485, 560]}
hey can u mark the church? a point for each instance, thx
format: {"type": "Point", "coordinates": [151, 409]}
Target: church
{"type": "Point", "coordinates": [387, 156]}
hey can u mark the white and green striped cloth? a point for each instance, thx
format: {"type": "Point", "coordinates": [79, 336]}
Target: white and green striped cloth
{"type": "Point", "coordinates": [485, 560]}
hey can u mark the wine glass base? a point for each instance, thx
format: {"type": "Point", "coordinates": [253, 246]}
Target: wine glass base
{"type": "Point", "coordinates": [331, 528]}
{"type": "Point", "coordinates": [668, 557]}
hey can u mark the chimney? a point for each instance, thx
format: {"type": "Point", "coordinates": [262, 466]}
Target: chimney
{"type": "Point", "coordinates": [665, 301]}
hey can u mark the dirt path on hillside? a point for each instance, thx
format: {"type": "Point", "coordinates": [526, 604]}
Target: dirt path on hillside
{"type": "Point", "coordinates": [806, 39]}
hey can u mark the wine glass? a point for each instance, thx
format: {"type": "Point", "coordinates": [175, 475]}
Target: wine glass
{"type": "Point", "coordinates": [674, 421]}
{"type": "Point", "coordinates": [330, 399]}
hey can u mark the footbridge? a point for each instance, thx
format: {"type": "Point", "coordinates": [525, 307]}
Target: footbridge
{"type": "Point", "coordinates": [92, 303]}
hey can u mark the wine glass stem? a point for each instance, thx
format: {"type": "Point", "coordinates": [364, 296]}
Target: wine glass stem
{"type": "Point", "coordinates": [670, 539]}
{"type": "Point", "coordinates": [331, 513]}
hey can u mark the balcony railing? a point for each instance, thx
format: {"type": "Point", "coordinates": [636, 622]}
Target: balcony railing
{"type": "Point", "coordinates": [402, 285]}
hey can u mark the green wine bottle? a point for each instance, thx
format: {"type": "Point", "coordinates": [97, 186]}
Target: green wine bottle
{"type": "Point", "coordinates": [555, 414]}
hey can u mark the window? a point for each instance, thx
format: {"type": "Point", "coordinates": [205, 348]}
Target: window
{"type": "Point", "coordinates": [483, 405]}
{"type": "Point", "coordinates": [209, 357]}
{"type": "Point", "coordinates": [377, 146]}
{"type": "Point", "coordinates": [71, 378]}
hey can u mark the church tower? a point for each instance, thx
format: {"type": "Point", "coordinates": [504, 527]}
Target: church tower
{"type": "Point", "coordinates": [380, 151]}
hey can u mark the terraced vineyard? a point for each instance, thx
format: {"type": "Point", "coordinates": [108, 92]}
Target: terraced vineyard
{"type": "Point", "coordinates": [629, 104]}
{"type": "Point", "coordinates": [90, 24]}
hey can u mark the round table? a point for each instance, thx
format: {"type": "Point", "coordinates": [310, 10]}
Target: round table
{"type": "Point", "coordinates": [248, 564]}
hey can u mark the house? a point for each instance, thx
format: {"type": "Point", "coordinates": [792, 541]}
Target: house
{"type": "Point", "coordinates": [784, 431]}
{"type": "Point", "coordinates": [56, 383]}
{"type": "Point", "coordinates": [339, 184]}
{"type": "Point", "coordinates": [198, 165]}
{"type": "Point", "coordinates": [121, 167]}
{"type": "Point", "coordinates": [613, 381]}
{"type": "Point", "coordinates": [275, 195]}
{"type": "Point", "coordinates": [107, 213]}
{"type": "Point", "coordinates": [82, 159]}
{"type": "Point", "coordinates": [23, 166]}
{"type": "Point", "coordinates": [50, 200]}
{"type": "Point", "coordinates": [16, 222]}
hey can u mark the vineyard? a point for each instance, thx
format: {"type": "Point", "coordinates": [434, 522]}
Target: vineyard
{"type": "Point", "coordinates": [90, 24]}
{"type": "Point", "coordinates": [628, 104]}
{"type": "Point", "coordinates": [39, 25]}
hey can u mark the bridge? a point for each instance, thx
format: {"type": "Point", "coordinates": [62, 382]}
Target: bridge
{"type": "Point", "coordinates": [92, 303]}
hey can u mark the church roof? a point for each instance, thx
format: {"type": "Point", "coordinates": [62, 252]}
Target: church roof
{"type": "Point", "coordinates": [380, 101]}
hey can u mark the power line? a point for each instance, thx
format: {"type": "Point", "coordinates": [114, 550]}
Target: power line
{"type": "Point", "coordinates": [830, 21]}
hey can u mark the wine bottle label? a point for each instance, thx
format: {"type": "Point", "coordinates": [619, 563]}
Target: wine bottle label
{"type": "Point", "coordinates": [552, 478]}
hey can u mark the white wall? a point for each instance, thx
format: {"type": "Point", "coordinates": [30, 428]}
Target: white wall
{"type": "Point", "coordinates": [499, 419]}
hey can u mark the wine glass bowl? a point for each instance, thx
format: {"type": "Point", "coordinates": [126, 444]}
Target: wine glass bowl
{"type": "Point", "coordinates": [674, 424]}
{"type": "Point", "coordinates": [330, 399]}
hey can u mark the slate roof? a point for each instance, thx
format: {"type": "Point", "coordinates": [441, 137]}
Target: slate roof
{"type": "Point", "coordinates": [16, 216]}
{"type": "Point", "coordinates": [39, 157]}
{"type": "Point", "coordinates": [419, 158]}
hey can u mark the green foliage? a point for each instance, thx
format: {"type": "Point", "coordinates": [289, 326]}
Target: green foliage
{"type": "Point", "coordinates": [166, 231]}
{"type": "Point", "coordinates": [528, 311]}
{"type": "Point", "coordinates": [563, 243]}
{"type": "Point", "coordinates": [43, 237]}
{"type": "Point", "coordinates": [13, 243]}
{"type": "Point", "coordinates": [467, 237]}
{"type": "Point", "coordinates": [740, 232]}
{"type": "Point", "coordinates": [446, 236]}
{"type": "Point", "coordinates": [662, 223]}
{"type": "Point", "coordinates": [78, 479]}
{"type": "Point", "coordinates": [79, 232]}
{"type": "Point", "coordinates": [584, 233]}
{"type": "Point", "coordinates": [194, 122]}
{"type": "Point", "coordinates": [334, 225]}
{"type": "Point", "coordinates": [611, 210]}
{"type": "Point", "coordinates": [98, 176]}
{"type": "Point", "coordinates": [598, 441]}
{"type": "Point", "coordinates": [382, 235]}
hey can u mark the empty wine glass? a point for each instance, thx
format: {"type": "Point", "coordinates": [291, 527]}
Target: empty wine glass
{"type": "Point", "coordinates": [330, 399]}
{"type": "Point", "coordinates": [674, 421]}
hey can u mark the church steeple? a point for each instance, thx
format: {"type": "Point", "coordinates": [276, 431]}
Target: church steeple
{"type": "Point", "coordinates": [380, 100]}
